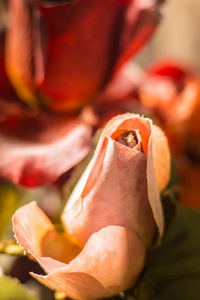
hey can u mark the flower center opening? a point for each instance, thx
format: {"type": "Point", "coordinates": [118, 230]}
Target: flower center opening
{"type": "Point", "coordinates": [128, 138]}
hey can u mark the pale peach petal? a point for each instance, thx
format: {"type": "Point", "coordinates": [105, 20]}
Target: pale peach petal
{"type": "Point", "coordinates": [153, 192]}
{"type": "Point", "coordinates": [35, 233]}
{"type": "Point", "coordinates": [110, 262]}
{"type": "Point", "coordinates": [122, 179]}
{"type": "Point", "coordinates": [30, 224]}
{"type": "Point", "coordinates": [161, 157]}
{"type": "Point", "coordinates": [77, 285]}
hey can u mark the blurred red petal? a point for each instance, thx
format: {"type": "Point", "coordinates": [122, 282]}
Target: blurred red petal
{"type": "Point", "coordinates": [171, 69]}
{"type": "Point", "coordinates": [141, 20]}
{"type": "Point", "coordinates": [25, 67]}
{"type": "Point", "coordinates": [10, 104]}
{"type": "Point", "coordinates": [36, 151]}
{"type": "Point", "coordinates": [71, 69]}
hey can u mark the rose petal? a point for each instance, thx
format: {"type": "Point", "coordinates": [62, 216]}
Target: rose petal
{"type": "Point", "coordinates": [9, 102]}
{"type": "Point", "coordinates": [170, 69]}
{"type": "Point", "coordinates": [161, 157]}
{"type": "Point", "coordinates": [142, 18]}
{"type": "Point", "coordinates": [110, 262]}
{"type": "Point", "coordinates": [37, 235]}
{"type": "Point", "coordinates": [27, 66]}
{"type": "Point", "coordinates": [37, 155]}
{"type": "Point", "coordinates": [57, 71]}
{"type": "Point", "coordinates": [121, 178]}
{"type": "Point", "coordinates": [76, 285]}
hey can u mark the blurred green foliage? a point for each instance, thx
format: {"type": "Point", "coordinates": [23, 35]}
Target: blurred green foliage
{"type": "Point", "coordinates": [9, 197]}
{"type": "Point", "coordinates": [12, 289]}
{"type": "Point", "coordinates": [173, 270]}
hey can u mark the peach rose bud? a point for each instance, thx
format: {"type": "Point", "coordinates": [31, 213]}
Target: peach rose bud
{"type": "Point", "coordinates": [113, 216]}
{"type": "Point", "coordinates": [121, 185]}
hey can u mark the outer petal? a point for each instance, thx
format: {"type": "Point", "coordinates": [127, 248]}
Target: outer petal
{"type": "Point", "coordinates": [161, 157]}
{"type": "Point", "coordinates": [38, 154]}
{"type": "Point", "coordinates": [110, 262]}
{"type": "Point", "coordinates": [121, 178]}
{"type": "Point", "coordinates": [36, 233]}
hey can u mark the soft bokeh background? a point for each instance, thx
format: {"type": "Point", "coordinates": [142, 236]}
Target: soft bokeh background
{"type": "Point", "coordinates": [178, 36]}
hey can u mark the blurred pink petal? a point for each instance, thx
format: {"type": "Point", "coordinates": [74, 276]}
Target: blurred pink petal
{"type": "Point", "coordinates": [123, 84]}
{"type": "Point", "coordinates": [36, 151]}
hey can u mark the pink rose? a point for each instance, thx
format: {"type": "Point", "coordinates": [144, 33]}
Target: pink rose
{"type": "Point", "coordinates": [111, 219]}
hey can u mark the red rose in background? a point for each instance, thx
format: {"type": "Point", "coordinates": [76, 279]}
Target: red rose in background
{"type": "Point", "coordinates": [60, 58]}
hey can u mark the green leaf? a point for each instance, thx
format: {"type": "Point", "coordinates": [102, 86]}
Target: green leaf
{"type": "Point", "coordinates": [173, 270]}
{"type": "Point", "coordinates": [12, 289]}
